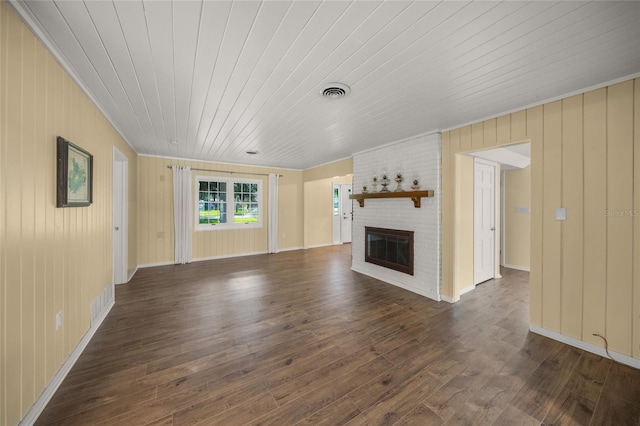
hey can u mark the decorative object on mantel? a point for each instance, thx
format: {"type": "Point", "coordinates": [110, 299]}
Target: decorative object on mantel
{"type": "Point", "coordinates": [415, 196]}
{"type": "Point", "coordinates": [374, 183]}
{"type": "Point", "coordinates": [398, 180]}
{"type": "Point", "coordinates": [384, 183]}
{"type": "Point", "coordinates": [364, 189]}
{"type": "Point", "coordinates": [416, 185]}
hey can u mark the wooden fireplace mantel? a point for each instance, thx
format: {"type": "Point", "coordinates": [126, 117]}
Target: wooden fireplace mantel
{"type": "Point", "coordinates": [415, 196]}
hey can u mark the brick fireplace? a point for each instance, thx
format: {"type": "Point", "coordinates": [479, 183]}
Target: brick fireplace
{"type": "Point", "coordinates": [390, 248]}
{"type": "Point", "coordinates": [416, 158]}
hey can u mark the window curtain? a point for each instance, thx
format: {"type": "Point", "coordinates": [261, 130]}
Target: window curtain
{"type": "Point", "coordinates": [182, 202]}
{"type": "Point", "coordinates": [273, 213]}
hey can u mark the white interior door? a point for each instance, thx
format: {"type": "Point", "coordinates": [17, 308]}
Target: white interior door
{"type": "Point", "coordinates": [346, 207]}
{"type": "Point", "coordinates": [484, 224]}
{"type": "Point", "coordinates": [120, 184]}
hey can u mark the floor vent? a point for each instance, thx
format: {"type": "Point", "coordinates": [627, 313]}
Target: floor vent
{"type": "Point", "coordinates": [102, 302]}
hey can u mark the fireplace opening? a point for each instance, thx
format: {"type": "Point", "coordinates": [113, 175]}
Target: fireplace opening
{"type": "Point", "coordinates": [390, 248]}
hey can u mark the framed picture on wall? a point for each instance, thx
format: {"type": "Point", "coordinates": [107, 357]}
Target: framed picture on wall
{"type": "Point", "coordinates": [74, 175]}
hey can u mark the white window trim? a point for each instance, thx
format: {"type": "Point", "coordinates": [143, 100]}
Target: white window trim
{"type": "Point", "coordinates": [230, 195]}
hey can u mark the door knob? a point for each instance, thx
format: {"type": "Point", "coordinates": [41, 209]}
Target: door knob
{"type": "Point", "coordinates": [117, 228]}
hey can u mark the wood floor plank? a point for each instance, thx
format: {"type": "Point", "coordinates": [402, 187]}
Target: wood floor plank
{"type": "Point", "coordinates": [299, 338]}
{"type": "Point", "coordinates": [420, 416]}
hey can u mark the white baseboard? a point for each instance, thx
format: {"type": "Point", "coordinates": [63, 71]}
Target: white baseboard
{"type": "Point", "coordinates": [132, 273]}
{"type": "Point", "coordinates": [448, 299]}
{"type": "Point", "coordinates": [598, 350]}
{"type": "Point", "coordinates": [229, 256]}
{"type": "Point", "coordinates": [319, 245]}
{"type": "Point", "coordinates": [38, 407]}
{"type": "Point", "coordinates": [280, 250]}
{"type": "Point", "coordinates": [152, 265]}
{"type": "Point", "coordinates": [519, 268]}
{"type": "Point", "coordinates": [467, 289]}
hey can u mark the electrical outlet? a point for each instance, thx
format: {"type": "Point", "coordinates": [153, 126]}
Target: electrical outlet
{"type": "Point", "coordinates": [58, 320]}
{"type": "Point", "coordinates": [161, 178]}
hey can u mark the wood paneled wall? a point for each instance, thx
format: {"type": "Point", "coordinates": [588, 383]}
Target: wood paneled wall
{"type": "Point", "coordinates": [517, 236]}
{"type": "Point", "coordinates": [585, 271]}
{"type": "Point", "coordinates": [155, 213]}
{"type": "Point", "coordinates": [51, 259]}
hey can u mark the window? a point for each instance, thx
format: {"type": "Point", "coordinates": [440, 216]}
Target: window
{"type": "Point", "coordinates": [228, 203]}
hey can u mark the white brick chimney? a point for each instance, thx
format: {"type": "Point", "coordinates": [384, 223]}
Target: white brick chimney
{"type": "Point", "coordinates": [419, 158]}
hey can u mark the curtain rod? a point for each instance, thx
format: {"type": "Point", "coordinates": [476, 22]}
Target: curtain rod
{"type": "Point", "coordinates": [231, 173]}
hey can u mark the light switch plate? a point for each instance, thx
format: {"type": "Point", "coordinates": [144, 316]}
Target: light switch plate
{"type": "Point", "coordinates": [561, 213]}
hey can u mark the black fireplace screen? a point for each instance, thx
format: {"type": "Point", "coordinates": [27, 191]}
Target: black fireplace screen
{"type": "Point", "coordinates": [390, 248]}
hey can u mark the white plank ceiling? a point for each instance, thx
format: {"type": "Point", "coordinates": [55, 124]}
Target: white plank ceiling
{"type": "Point", "coordinates": [222, 78]}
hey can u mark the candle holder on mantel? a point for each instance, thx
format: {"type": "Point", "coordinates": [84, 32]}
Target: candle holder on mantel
{"type": "Point", "coordinates": [416, 185]}
{"type": "Point", "coordinates": [374, 184]}
{"type": "Point", "coordinates": [384, 182]}
{"type": "Point", "coordinates": [398, 180]}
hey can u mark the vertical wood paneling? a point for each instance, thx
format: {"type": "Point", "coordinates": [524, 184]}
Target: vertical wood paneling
{"type": "Point", "coordinates": [27, 189]}
{"type": "Point", "coordinates": [619, 225]}
{"type": "Point", "coordinates": [477, 135]}
{"type": "Point", "coordinates": [595, 220]}
{"type": "Point", "coordinates": [13, 350]}
{"type": "Point", "coordinates": [43, 223]}
{"type": "Point", "coordinates": [490, 132]}
{"type": "Point", "coordinates": [551, 232]}
{"type": "Point", "coordinates": [3, 179]}
{"type": "Point", "coordinates": [454, 147]}
{"type": "Point", "coordinates": [167, 208]}
{"type": "Point", "coordinates": [590, 165]}
{"type": "Point", "coordinates": [143, 208]}
{"type": "Point", "coordinates": [572, 228]}
{"type": "Point", "coordinates": [503, 129]}
{"type": "Point", "coordinates": [535, 130]}
{"type": "Point", "coordinates": [51, 259]}
{"type": "Point", "coordinates": [466, 139]}
{"type": "Point", "coordinates": [519, 125]}
{"type": "Point", "coordinates": [636, 221]}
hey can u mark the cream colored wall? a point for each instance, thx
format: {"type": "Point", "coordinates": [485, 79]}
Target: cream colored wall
{"type": "Point", "coordinates": [318, 200]}
{"type": "Point", "coordinates": [517, 236]}
{"type": "Point", "coordinates": [464, 221]}
{"type": "Point", "coordinates": [51, 259]}
{"type": "Point", "coordinates": [318, 213]}
{"type": "Point", "coordinates": [337, 168]}
{"type": "Point", "coordinates": [585, 271]}
{"type": "Point", "coordinates": [155, 213]}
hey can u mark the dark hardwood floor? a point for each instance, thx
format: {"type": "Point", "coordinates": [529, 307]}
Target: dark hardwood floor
{"type": "Point", "coordinates": [298, 338]}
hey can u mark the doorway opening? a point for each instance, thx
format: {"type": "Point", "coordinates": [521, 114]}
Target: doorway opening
{"type": "Point", "coordinates": [494, 186]}
{"type": "Point", "coordinates": [342, 210]}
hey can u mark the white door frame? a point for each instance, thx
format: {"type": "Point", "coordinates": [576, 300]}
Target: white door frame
{"type": "Point", "coordinates": [336, 215]}
{"type": "Point", "coordinates": [120, 210]}
{"type": "Point", "coordinates": [478, 233]}
{"type": "Point", "coordinates": [346, 213]}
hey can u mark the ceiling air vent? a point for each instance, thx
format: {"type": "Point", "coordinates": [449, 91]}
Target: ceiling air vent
{"type": "Point", "coordinates": [335, 90]}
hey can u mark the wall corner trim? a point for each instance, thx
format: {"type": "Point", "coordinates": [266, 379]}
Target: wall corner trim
{"type": "Point", "coordinates": [448, 299]}
{"type": "Point", "coordinates": [621, 358]}
{"type": "Point", "coordinates": [38, 407]}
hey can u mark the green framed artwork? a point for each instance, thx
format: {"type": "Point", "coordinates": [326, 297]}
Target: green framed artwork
{"type": "Point", "coordinates": [75, 175]}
